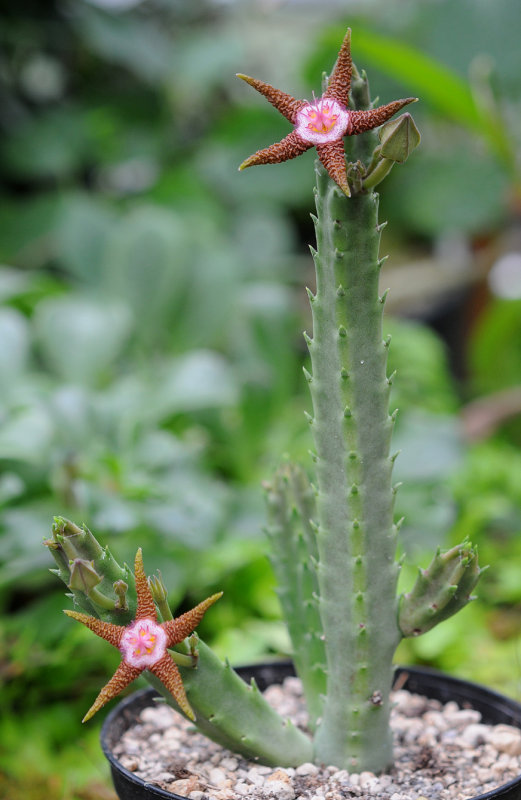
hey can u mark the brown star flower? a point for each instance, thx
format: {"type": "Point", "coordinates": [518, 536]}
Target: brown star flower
{"type": "Point", "coordinates": [144, 643]}
{"type": "Point", "coordinates": [322, 123]}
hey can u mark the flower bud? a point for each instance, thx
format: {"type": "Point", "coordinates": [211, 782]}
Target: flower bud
{"type": "Point", "coordinates": [399, 137]}
{"type": "Point", "coordinates": [83, 576]}
{"type": "Point", "coordinates": [120, 590]}
{"type": "Point", "coordinates": [159, 594]}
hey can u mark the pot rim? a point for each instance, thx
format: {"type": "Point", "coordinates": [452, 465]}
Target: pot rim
{"type": "Point", "coordinates": [467, 692]}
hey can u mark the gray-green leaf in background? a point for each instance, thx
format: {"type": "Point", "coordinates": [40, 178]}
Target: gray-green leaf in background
{"type": "Point", "coordinates": [80, 338]}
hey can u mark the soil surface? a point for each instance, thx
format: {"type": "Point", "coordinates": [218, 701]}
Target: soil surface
{"type": "Point", "coordinates": [441, 751]}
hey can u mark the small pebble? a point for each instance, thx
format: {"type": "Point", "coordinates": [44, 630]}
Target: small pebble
{"type": "Point", "coordinates": [183, 787]}
{"type": "Point", "coordinates": [255, 776]}
{"type": "Point", "coordinates": [217, 776]}
{"type": "Point", "coordinates": [475, 734]}
{"type": "Point", "coordinates": [279, 785]}
{"type": "Point", "coordinates": [165, 777]}
{"type": "Point", "coordinates": [340, 776]}
{"type": "Point", "coordinates": [462, 716]}
{"type": "Point", "coordinates": [365, 778]}
{"type": "Point", "coordinates": [506, 739]}
{"type": "Point", "coordinates": [307, 769]}
{"type": "Point", "coordinates": [129, 762]}
{"type": "Point", "coordinates": [229, 764]}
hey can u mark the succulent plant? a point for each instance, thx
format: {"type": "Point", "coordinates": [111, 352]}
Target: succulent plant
{"type": "Point", "coordinates": [333, 542]}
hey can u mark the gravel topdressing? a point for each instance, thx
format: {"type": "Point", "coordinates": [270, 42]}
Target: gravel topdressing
{"type": "Point", "coordinates": [441, 751]}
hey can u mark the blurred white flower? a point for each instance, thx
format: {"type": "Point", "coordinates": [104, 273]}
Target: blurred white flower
{"type": "Point", "coordinates": [504, 278]}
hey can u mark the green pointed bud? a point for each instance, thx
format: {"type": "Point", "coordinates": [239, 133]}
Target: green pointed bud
{"type": "Point", "coordinates": [56, 550]}
{"type": "Point", "coordinates": [440, 590]}
{"type": "Point", "coordinates": [355, 176]}
{"type": "Point", "coordinates": [160, 595]}
{"type": "Point", "coordinates": [83, 576]}
{"type": "Point", "coordinates": [64, 527]}
{"type": "Point", "coordinates": [120, 590]}
{"type": "Point", "coordinates": [360, 93]}
{"type": "Point", "coordinates": [76, 542]}
{"type": "Point", "coordinates": [399, 137]}
{"type": "Point", "coordinates": [52, 544]}
{"type": "Point", "coordinates": [193, 641]}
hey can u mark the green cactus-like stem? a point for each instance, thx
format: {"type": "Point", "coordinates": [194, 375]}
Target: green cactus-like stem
{"type": "Point", "coordinates": [356, 538]}
{"type": "Point", "coordinates": [441, 590]}
{"type": "Point", "coordinates": [291, 509]}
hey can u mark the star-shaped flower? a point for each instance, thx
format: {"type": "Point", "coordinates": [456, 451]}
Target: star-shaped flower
{"type": "Point", "coordinates": [144, 643]}
{"type": "Point", "coordinates": [322, 123]}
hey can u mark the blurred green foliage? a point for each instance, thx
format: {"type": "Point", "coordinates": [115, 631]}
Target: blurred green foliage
{"type": "Point", "coordinates": [150, 309]}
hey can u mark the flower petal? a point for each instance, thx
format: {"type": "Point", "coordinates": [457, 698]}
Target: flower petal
{"type": "Point", "coordinates": [289, 147]}
{"type": "Point", "coordinates": [374, 117]}
{"type": "Point", "coordinates": [111, 633]}
{"type": "Point", "coordinates": [146, 607]}
{"type": "Point", "coordinates": [332, 156]}
{"type": "Point", "coordinates": [340, 80]}
{"type": "Point", "coordinates": [285, 103]}
{"type": "Point", "coordinates": [169, 675]}
{"type": "Point", "coordinates": [181, 627]}
{"type": "Point", "coordinates": [124, 675]}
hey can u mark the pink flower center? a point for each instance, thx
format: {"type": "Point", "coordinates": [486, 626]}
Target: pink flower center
{"type": "Point", "coordinates": [325, 120]}
{"type": "Point", "coordinates": [143, 643]}
{"type": "Point", "coordinates": [322, 117]}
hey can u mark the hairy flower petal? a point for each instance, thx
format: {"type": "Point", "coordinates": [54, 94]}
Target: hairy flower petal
{"type": "Point", "coordinates": [339, 84]}
{"type": "Point", "coordinates": [169, 675]}
{"type": "Point", "coordinates": [179, 628]}
{"type": "Point", "coordinates": [285, 103]}
{"type": "Point", "coordinates": [332, 157]}
{"type": "Point", "coordinates": [365, 120]}
{"type": "Point", "coordinates": [106, 630]}
{"type": "Point", "coordinates": [290, 147]}
{"type": "Point", "coordinates": [124, 675]}
{"type": "Point", "coordinates": [146, 607]}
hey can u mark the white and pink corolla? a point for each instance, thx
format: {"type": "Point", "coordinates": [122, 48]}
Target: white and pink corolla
{"type": "Point", "coordinates": [143, 643]}
{"type": "Point", "coordinates": [323, 121]}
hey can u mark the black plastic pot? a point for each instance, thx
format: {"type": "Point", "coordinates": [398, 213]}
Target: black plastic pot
{"type": "Point", "coordinates": [495, 709]}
